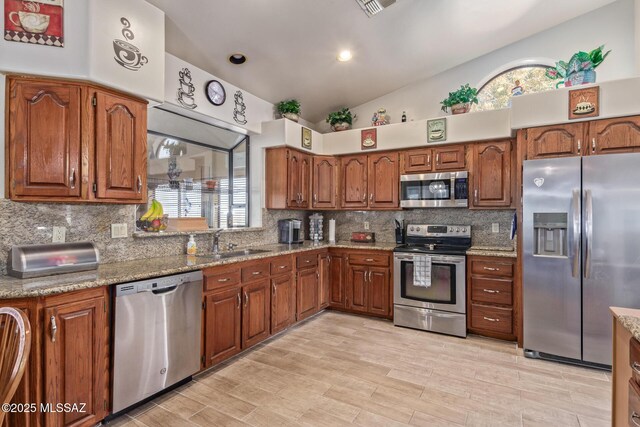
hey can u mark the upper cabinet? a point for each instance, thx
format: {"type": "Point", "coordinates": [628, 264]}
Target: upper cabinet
{"type": "Point", "coordinates": [491, 174]}
{"type": "Point", "coordinates": [621, 135]}
{"type": "Point", "coordinates": [425, 160]}
{"type": "Point", "coordinates": [73, 142]}
{"type": "Point", "coordinates": [555, 141]}
{"type": "Point", "coordinates": [354, 181]}
{"type": "Point", "coordinates": [384, 179]}
{"type": "Point", "coordinates": [449, 157]}
{"type": "Point", "coordinates": [288, 178]}
{"type": "Point", "coordinates": [416, 161]}
{"type": "Point", "coordinates": [324, 191]}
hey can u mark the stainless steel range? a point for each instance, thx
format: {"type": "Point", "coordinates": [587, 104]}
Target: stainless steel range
{"type": "Point", "coordinates": [429, 278]}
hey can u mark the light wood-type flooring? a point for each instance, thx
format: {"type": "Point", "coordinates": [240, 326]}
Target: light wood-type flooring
{"type": "Point", "coordinates": [338, 369]}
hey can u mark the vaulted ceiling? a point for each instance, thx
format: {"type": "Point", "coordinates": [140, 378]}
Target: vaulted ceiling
{"type": "Point", "coordinates": [292, 45]}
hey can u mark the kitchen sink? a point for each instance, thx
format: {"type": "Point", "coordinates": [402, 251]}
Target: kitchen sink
{"type": "Point", "coordinates": [234, 254]}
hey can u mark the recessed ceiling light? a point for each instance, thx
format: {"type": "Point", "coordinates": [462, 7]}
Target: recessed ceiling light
{"type": "Point", "coordinates": [237, 58]}
{"type": "Point", "coordinates": [344, 56]}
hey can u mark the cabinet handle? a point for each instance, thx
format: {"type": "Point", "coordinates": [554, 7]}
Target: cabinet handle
{"type": "Point", "coordinates": [438, 158]}
{"type": "Point", "coordinates": [307, 261]}
{"type": "Point", "coordinates": [315, 198]}
{"type": "Point", "coordinates": [364, 197]}
{"type": "Point", "coordinates": [273, 290]}
{"type": "Point", "coordinates": [371, 197]}
{"type": "Point", "coordinates": [238, 298]}
{"type": "Point", "coordinates": [282, 267]}
{"type": "Point", "coordinates": [490, 319]}
{"type": "Point", "coordinates": [475, 196]}
{"type": "Point", "coordinates": [255, 273]}
{"type": "Point", "coordinates": [491, 269]}
{"type": "Point", "coordinates": [246, 299]}
{"type": "Point", "coordinates": [139, 184]}
{"type": "Point", "coordinates": [636, 367]}
{"type": "Point", "coordinates": [72, 178]}
{"type": "Point", "coordinates": [593, 145]}
{"type": "Point", "coordinates": [54, 329]}
{"type": "Point", "coordinates": [429, 159]}
{"type": "Point", "coordinates": [490, 291]}
{"type": "Point", "coordinates": [318, 274]}
{"type": "Point", "coordinates": [369, 260]}
{"type": "Point", "coordinates": [223, 280]}
{"type": "Point", "coordinates": [579, 146]}
{"type": "Point", "coordinates": [634, 417]}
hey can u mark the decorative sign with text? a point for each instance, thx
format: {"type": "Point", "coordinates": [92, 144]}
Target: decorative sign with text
{"type": "Point", "coordinates": [35, 21]}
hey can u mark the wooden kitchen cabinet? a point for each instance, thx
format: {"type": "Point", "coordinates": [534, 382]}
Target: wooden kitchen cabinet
{"type": "Point", "coordinates": [307, 292]}
{"type": "Point", "coordinates": [256, 313]}
{"type": "Point", "coordinates": [288, 178]}
{"type": "Point", "coordinates": [299, 171]}
{"type": "Point", "coordinates": [619, 135]}
{"type": "Point", "coordinates": [378, 291]}
{"type": "Point", "coordinates": [324, 193]}
{"type": "Point", "coordinates": [449, 157]}
{"type": "Point", "coordinates": [324, 287]}
{"type": "Point", "coordinates": [336, 280]}
{"type": "Point", "coordinates": [283, 304]}
{"type": "Point", "coordinates": [492, 175]}
{"type": "Point", "coordinates": [562, 140]}
{"type": "Point", "coordinates": [75, 142]}
{"type": "Point", "coordinates": [368, 283]}
{"type": "Point", "coordinates": [76, 356]}
{"type": "Point", "coordinates": [383, 180]}
{"type": "Point", "coordinates": [416, 161]}
{"type": "Point", "coordinates": [222, 325]}
{"type": "Point", "coordinates": [357, 288]}
{"type": "Point", "coordinates": [121, 147]}
{"type": "Point", "coordinates": [354, 176]}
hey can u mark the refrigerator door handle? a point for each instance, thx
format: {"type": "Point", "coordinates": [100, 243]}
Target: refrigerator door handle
{"type": "Point", "coordinates": [575, 251]}
{"type": "Point", "coordinates": [588, 227]}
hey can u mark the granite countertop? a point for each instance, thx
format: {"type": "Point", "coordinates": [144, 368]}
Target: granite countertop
{"type": "Point", "coordinates": [129, 271]}
{"type": "Point", "coordinates": [629, 318]}
{"type": "Point", "coordinates": [497, 251]}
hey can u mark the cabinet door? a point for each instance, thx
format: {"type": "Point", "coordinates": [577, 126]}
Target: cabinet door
{"type": "Point", "coordinates": [354, 182]}
{"type": "Point", "coordinates": [555, 141]}
{"type": "Point", "coordinates": [283, 306]}
{"type": "Point", "coordinates": [357, 277]}
{"type": "Point", "coordinates": [325, 182]}
{"type": "Point", "coordinates": [307, 292]}
{"type": "Point", "coordinates": [299, 173]}
{"type": "Point", "coordinates": [256, 313]}
{"type": "Point", "coordinates": [121, 148]}
{"type": "Point", "coordinates": [620, 135]}
{"type": "Point", "coordinates": [222, 325]}
{"type": "Point", "coordinates": [44, 139]}
{"type": "Point", "coordinates": [75, 361]}
{"type": "Point", "coordinates": [416, 161]}
{"type": "Point", "coordinates": [378, 291]}
{"type": "Point", "coordinates": [449, 158]}
{"type": "Point", "coordinates": [492, 175]}
{"type": "Point", "coordinates": [336, 281]}
{"type": "Point", "coordinates": [324, 288]}
{"type": "Point", "coordinates": [384, 180]}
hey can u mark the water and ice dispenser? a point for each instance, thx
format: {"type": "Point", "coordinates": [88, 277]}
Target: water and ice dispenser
{"type": "Point", "coordinates": [550, 234]}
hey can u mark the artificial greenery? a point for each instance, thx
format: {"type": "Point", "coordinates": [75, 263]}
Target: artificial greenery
{"type": "Point", "coordinates": [291, 106]}
{"type": "Point", "coordinates": [342, 116]}
{"type": "Point", "coordinates": [581, 61]}
{"type": "Point", "coordinates": [466, 94]}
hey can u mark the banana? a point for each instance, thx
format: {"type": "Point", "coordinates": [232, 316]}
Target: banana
{"type": "Point", "coordinates": [149, 212]}
{"type": "Point", "coordinates": [159, 209]}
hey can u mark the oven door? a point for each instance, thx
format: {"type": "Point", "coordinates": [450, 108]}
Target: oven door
{"type": "Point", "coordinates": [447, 189]}
{"type": "Point", "coordinates": [447, 290]}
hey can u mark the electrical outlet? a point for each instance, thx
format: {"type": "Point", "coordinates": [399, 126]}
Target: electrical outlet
{"type": "Point", "coordinates": [59, 234]}
{"type": "Point", "coordinates": [366, 225]}
{"type": "Point", "coordinates": [495, 227]}
{"type": "Point", "coordinates": [118, 231]}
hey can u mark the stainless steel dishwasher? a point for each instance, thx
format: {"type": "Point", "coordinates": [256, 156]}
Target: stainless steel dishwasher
{"type": "Point", "coordinates": [157, 336]}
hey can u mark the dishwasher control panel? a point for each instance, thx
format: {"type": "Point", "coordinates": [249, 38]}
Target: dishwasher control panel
{"type": "Point", "coordinates": [157, 283]}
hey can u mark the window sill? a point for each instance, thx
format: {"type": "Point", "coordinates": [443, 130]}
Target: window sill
{"type": "Point", "coordinates": [145, 234]}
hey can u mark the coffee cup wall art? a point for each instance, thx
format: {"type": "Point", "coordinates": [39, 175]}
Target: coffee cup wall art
{"type": "Point", "coordinates": [34, 21]}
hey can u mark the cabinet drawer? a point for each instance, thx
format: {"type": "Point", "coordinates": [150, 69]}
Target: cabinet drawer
{"type": "Point", "coordinates": [378, 260]}
{"type": "Point", "coordinates": [491, 291]}
{"type": "Point", "coordinates": [281, 265]}
{"type": "Point", "coordinates": [492, 268]}
{"type": "Point", "coordinates": [634, 359]}
{"type": "Point", "coordinates": [255, 272]}
{"type": "Point", "coordinates": [307, 260]}
{"type": "Point", "coordinates": [216, 278]}
{"type": "Point", "coordinates": [493, 319]}
{"type": "Point", "coordinates": [634, 404]}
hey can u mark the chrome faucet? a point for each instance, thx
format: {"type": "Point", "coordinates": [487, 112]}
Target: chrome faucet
{"type": "Point", "coordinates": [216, 241]}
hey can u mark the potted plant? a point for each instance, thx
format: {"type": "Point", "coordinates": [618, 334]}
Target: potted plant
{"type": "Point", "coordinates": [289, 109]}
{"type": "Point", "coordinates": [341, 120]}
{"type": "Point", "coordinates": [579, 70]}
{"type": "Point", "coordinates": [460, 101]}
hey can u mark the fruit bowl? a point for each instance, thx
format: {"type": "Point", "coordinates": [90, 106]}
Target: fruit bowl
{"type": "Point", "coordinates": [154, 219]}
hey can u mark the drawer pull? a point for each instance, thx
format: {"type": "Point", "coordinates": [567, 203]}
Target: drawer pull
{"type": "Point", "coordinates": [490, 291]}
{"type": "Point", "coordinates": [369, 259]}
{"type": "Point", "coordinates": [636, 367]}
{"type": "Point", "coordinates": [282, 267]}
{"type": "Point", "coordinates": [223, 280]}
{"type": "Point", "coordinates": [255, 273]}
{"type": "Point", "coordinates": [307, 261]}
{"type": "Point", "coordinates": [634, 417]}
{"type": "Point", "coordinates": [491, 269]}
{"type": "Point", "coordinates": [490, 319]}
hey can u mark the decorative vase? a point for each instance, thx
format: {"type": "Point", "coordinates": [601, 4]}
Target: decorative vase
{"type": "Point", "coordinates": [341, 126]}
{"type": "Point", "coordinates": [460, 108]}
{"type": "Point", "coordinates": [291, 116]}
{"type": "Point", "coordinates": [580, 78]}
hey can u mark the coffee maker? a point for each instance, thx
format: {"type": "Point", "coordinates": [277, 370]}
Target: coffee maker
{"type": "Point", "coordinates": [290, 231]}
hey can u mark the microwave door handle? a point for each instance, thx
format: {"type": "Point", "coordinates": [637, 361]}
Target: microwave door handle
{"type": "Point", "coordinates": [452, 191]}
{"type": "Point", "coordinates": [588, 227]}
{"type": "Point", "coordinates": [575, 255]}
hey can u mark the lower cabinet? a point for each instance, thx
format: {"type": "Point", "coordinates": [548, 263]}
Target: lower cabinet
{"type": "Point", "coordinates": [256, 313]}
{"type": "Point", "coordinates": [283, 302]}
{"type": "Point", "coordinates": [307, 292]}
{"type": "Point", "coordinates": [378, 291]}
{"type": "Point", "coordinates": [336, 279]}
{"type": "Point", "coordinates": [357, 288]}
{"type": "Point", "coordinates": [222, 325]}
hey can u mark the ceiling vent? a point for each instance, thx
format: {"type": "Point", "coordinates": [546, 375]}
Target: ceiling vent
{"type": "Point", "coordinates": [373, 7]}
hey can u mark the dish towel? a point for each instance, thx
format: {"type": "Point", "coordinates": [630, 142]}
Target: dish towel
{"type": "Point", "coordinates": [422, 271]}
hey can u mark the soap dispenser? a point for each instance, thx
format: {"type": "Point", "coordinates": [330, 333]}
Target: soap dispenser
{"type": "Point", "coordinates": [191, 245]}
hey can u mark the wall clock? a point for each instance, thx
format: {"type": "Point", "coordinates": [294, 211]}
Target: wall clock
{"type": "Point", "coordinates": [215, 92]}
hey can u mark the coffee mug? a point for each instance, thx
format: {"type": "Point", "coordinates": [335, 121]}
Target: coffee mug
{"type": "Point", "coordinates": [128, 55]}
{"type": "Point", "coordinates": [31, 22]}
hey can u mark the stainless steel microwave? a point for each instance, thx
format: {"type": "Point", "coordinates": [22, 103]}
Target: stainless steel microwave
{"type": "Point", "coordinates": [434, 190]}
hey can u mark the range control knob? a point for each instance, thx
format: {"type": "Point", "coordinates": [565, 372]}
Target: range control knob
{"type": "Point", "coordinates": [411, 228]}
{"type": "Point", "coordinates": [418, 229]}
{"type": "Point", "coordinates": [450, 229]}
{"type": "Point", "coordinates": [457, 230]}
{"type": "Point", "coordinates": [464, 229]}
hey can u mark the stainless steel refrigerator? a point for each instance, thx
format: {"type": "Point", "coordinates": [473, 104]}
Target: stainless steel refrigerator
{"type": "Point", "coordinates": [581, 244]}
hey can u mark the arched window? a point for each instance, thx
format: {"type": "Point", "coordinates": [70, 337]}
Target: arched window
{"type": "Point", "coordinates": [496, 93]}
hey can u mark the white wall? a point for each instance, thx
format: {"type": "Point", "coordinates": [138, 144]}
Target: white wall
{"type": "Point", "coordinates": [612, 25]}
